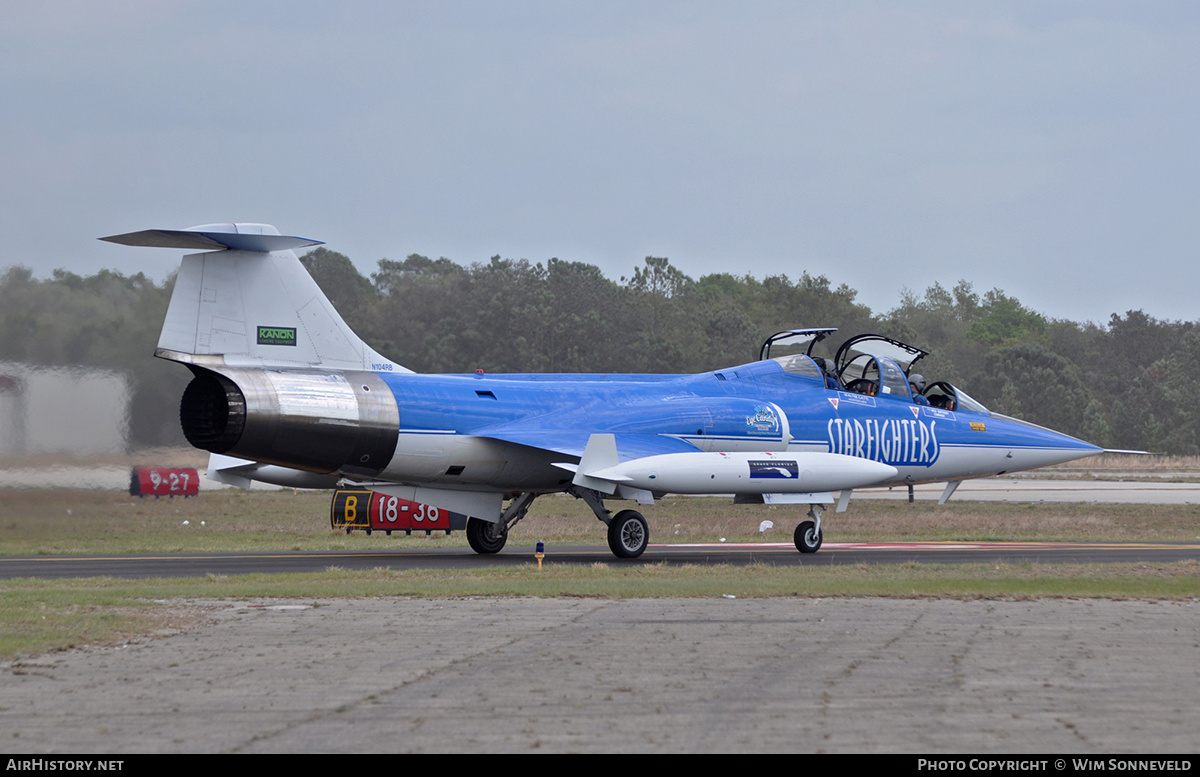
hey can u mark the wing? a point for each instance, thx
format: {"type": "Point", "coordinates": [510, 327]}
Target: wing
{"type": "Point", "coordinates": [572, 443]}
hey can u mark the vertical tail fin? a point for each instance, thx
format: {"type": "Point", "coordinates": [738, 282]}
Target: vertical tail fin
{"type": "Point", "coordinates": [248, 300]}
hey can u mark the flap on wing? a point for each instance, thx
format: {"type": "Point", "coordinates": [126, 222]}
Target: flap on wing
{"type": "Point", "coordinates": [484, 505]}
{"type": "Point", "coordinates": [573, 443]}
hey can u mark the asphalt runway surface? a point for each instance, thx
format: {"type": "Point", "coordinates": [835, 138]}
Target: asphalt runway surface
{"type": "Point", "coordinates": [830, 554]}
{"type": "Point", "coordinates": [920, 676]}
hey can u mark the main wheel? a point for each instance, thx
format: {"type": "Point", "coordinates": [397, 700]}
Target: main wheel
{"type": "Point", "coordinates": [485, 537]}
{"type": "Point", "coordinates": [628, 534]}
{"type": "Point", "coordinates": [808, 539]}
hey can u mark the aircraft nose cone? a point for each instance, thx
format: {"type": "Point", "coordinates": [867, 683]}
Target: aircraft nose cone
{"type": "Point", "coordinates": [1036, 446]}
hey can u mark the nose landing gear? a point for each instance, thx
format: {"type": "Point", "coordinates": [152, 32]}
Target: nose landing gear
{"type": "Point", "coordinates": [808, 535]}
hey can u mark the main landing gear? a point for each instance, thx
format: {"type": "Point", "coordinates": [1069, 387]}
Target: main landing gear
{"type": "Point", "coordinates": [628, 534]}
{"type": "Point", "coordinates": [808, 534]}
{"type": "Point", "coordinates": [486, 537]}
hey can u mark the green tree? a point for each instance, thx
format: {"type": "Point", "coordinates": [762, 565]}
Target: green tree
{"type": "Point", "coordinates": [1028, 381]}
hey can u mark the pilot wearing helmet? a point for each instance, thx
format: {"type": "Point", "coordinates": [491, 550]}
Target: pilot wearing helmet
{"type": "Point", "coordinates": [916, 382]}
{"type": "Point", "coordinates": [831, 381]}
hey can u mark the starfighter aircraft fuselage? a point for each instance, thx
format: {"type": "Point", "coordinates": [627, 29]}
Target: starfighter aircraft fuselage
{"type": "Point", "coordinates": [284, 392]}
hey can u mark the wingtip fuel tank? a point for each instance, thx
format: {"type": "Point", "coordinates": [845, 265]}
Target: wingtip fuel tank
{"type": "Point", "coordinates": [747, 473]}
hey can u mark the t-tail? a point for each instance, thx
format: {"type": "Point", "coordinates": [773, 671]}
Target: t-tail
{"type": "Point", "coordinates": [248, 302]}
{"type": "Point", "coordinates": [280, 379]}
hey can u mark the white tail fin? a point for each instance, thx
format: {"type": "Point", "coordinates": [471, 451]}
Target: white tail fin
{"type": "Point", "coordinates": [251, 302]}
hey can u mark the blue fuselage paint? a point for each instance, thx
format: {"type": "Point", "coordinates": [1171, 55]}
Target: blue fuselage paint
{"type": "Point", "coordinates": [731, 409]}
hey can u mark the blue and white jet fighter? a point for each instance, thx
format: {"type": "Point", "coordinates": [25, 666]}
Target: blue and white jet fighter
{"type": "Point", "coordinates": [284, 392]}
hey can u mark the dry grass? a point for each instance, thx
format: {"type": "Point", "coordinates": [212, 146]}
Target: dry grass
{"type": "Point", "coordinates": [1126, 465]}
{"type": "Point", "coordinates": [86, 522]}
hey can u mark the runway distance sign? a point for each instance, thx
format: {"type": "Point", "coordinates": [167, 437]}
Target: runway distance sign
{"type": "Point", "coordinates": [164, 481]}
{"type": "Point", "coordinates": [370, 511]}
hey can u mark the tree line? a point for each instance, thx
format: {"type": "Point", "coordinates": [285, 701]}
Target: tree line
{"type": "Point", "coordinates": [1129, 383]}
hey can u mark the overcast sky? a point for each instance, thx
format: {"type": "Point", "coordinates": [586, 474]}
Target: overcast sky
{"type": "Point", "coordinates": [1051, 149]}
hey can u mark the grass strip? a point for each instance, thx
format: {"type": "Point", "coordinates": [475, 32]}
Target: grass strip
{"type": "Point", "coordinates": [97, 522]}
{"type": "Point", "coordinates": [39, 616]}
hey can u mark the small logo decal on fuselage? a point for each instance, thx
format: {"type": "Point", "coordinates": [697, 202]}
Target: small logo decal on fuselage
{"type": "Point", "coordinates": [277, 335]}
{"type": "Point", "coordinates": [764, 421]}
{"type": "Point", "coordinates": [774, 469]}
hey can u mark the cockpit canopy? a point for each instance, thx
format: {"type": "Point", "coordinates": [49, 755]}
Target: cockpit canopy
{"type": "Point", "coordinates": [874, 364]}
{"type": "Point", "coordinates": [792, 341]}
{"type": "Point", "coordinates": [792, 348]}
{"type": "Point", "coordinates": [867, 364]}
{"type": "Point", "coordinates": [852, 350]}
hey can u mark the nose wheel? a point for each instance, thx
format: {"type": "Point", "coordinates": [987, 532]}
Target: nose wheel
{"type": "Point", "coordinates": [808, 534]}
{"type": "Point", "coordinates": [808, 537]}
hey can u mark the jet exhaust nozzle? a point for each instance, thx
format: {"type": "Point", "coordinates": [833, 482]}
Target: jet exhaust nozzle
{"type": "Point", "coordinates": [320, 421]}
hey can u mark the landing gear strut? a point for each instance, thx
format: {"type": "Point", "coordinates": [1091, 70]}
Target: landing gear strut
{"type": "Point", "coordinates": [808, 535]}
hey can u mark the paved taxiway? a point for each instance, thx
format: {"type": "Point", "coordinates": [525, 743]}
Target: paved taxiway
{"type": "Point", "coordinates": [660, 675]}
{"type": "Point", "coordinates": [1031, 489]}
{"type": "Point", "coordinates": [831, 554]}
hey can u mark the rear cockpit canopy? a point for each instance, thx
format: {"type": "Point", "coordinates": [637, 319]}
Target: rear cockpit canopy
{"type": "Point", "coordinates": [792, 348]}
{"type": "Point", "coordinates": [792, 341]}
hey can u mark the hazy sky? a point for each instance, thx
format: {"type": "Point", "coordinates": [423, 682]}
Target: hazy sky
{"type": "Point", "coordinates": [1051, 149]}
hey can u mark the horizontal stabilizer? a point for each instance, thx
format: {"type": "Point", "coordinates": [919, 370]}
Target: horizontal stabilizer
{"type": "Point", "coordinates": [261, 238]}
{"type": "Point", "coordinates": [486, 506]}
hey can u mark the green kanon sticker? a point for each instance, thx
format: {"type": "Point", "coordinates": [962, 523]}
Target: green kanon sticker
{"type": "Point", "coordinates": [277, 335]}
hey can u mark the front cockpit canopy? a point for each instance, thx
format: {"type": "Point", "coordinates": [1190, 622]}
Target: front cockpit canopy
{"type": "Point", "coordinates": [874, 364]}
{"type": "Point", "coordinates": [950, 397]}
{"type": "Point", "coordinates": [875, 375]}
{"type": "Point", "coordinates": [902, 354]}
